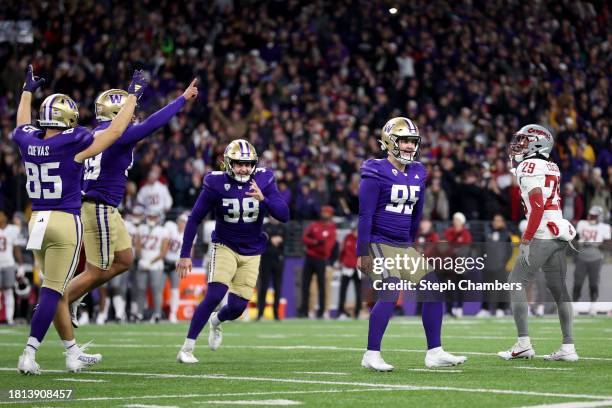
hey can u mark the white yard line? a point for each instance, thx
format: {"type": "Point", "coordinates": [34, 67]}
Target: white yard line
{"type": "Point", "coordinates": [319, 373]}
{"type": "Point", "coordinates": [429, 370]}
{"type": "Point", "coordinates": [337, 383]}
{"type": "Point", "coordinates": [301, 347]}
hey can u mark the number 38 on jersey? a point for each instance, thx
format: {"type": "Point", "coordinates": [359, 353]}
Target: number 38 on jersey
{"type": "Point", "coordinates": [403, 198]}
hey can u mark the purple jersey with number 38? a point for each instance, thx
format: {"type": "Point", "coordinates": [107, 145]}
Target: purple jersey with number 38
{"type": "Point", "coordinates": [238, 216]}
{"type": "Point", "coordinates": [53, 176]}
{"type": "Point", "coordinates": [390, 204]}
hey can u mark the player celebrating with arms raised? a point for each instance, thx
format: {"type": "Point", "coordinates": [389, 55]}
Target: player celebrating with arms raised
{"type": "Point", "coordinates": [544, 242]}
{"type": "Point", "coordinates": [391, 198]}
{"type": "Point", "coordinates": [238, 238]}
{"type": "Point", "coordinates": [53, 158]}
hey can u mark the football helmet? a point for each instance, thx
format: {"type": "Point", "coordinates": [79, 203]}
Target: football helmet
{"type": "Point", "coordinates": [109, 103]}
{"type": "Point", "coordinates": [58, 111]}
{"type": "Point", "coordinates": [596, 214]}
{"type": "Point", "coordinates": [241, 151]}
{"type": "Point", "coordinates": [529, 141]}
{"type": "Point", "coordinates": [394, 129]}
{"type": "Point", "coordinates": [154, 217]}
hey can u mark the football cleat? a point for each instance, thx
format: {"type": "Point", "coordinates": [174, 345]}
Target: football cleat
{"type": "Point", "coordinates": [437, 357]}
{"type": "Point", "coordinates": [567, 353]}
{"type": "Point", "coordinates": [517, 351]}
{"type": "Point", "coordinates": [186, 356]}
{"type": "Point", "coordinates": [215, 336]}
{"type": "Point", "coordinates": [172, 318]}
{"type": "Point", "coordinates": [77, 359]}
{"type": "Point", "coordinates": [483, 313]}
{"type": "Point", "coordinates": [27, 364]}
{"type": "Point", "coordinates": [374, 361]}
{"type": "Point", "coordinates": [74, 307]}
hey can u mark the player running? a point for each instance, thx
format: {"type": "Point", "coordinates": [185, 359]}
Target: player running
{"type": "Point", "coordinates": [108, 245]}
{"type": "Point", "coordinates": [53, 158]}
{"type": "Point", "coordinates": [391, 198]}
{"type": "Point", "coordinates": [175, 235]}
{"type": "Point", "coordinates": [240, 196]}
{"type": "Point", "coordinates": [543, 243]}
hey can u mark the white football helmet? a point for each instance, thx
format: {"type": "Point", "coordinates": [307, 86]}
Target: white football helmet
{"type": "Point", "coordinates": [529, 141]}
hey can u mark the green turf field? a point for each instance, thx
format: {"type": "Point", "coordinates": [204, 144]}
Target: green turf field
{"type": "Point", "coordinates": [317, 363]}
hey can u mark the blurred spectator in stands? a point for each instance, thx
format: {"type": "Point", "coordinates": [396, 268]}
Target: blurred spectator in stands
{"type": "Point", "coordinates": [436, 202]}
{"type": "Point", "coordinates": [572, 205]}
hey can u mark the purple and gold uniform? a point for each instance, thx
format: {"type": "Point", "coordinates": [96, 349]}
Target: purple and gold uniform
{"type": "Point", "coordinates": [53, 185]}
{"type": "Point", "coordinates": [238, 236]}
{"type": "Point", "coordinates": [104, 186]}
{"type": "Point", "coordinates": [391, 204]}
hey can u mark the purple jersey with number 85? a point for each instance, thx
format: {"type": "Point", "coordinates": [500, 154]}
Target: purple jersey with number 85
{"type": "Point", "coordinates": [53, 176]}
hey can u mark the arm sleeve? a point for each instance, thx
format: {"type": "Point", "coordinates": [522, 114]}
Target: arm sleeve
{"type": "Point", "coordinates": [202, 206]}
{"type": "Point", "coordinates": [417, 213]}
{"type": "Point", "coordinates": [160, 118]}
{"type": "Point", "coordinates": [276, 205]}
{"type": "Point", "coordinates": [368, 198]}
{"type": "Point", "coordinates": [168, 198]}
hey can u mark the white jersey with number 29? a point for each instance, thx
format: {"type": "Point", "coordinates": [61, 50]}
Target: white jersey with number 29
{"type": "Point", "coordinates": [539, 173]}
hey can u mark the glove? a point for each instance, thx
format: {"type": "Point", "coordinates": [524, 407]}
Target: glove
{"type": "Point", "coordinates": [524, 252]}
{"type": "Point", "coordinates": [138, 84]}
{"type": "Point", "coordinates": [32, 83]}
{"type": "Point", "coordinates": [20, 272]}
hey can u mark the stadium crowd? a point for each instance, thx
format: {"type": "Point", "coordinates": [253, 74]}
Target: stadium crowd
{"type": "Point", "coordinates": [309, 84]}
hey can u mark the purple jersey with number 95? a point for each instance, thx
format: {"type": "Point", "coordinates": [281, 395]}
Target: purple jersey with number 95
{"type": "Point", "coordinates": [53, 176]}
{"type": "Point", "coordinates": [390, 203]}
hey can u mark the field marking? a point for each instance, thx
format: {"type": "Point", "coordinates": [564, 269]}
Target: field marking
{"type": "Point", "coordinates": [544, 368]}
{"type": "Point", "coordinates": [573, 405]}
{"type": "Point", "coordinates": [80, 380]}
{"type": "Point", "coordinates": [430, 370]}
{"type": "Point", "coordinates": [342, 383]}
{"type": "Point", "coordinates": [303, 347]}
{"type": "Point", "coordinates": [275, 402]}
{"type": "Point", "coordinates": [320, 373]}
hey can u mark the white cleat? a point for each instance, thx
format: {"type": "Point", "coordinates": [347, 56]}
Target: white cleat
{"type": "Point", "coordinates": [437, 357]}
{"type": "Point", "coordinates": [568, 354]}
{"type": "Point", "coordinates": [77, 360]}
{"type": "Point", "coordinates": [374, 361]}
{"type": "Point", "coordinates": [483, 314]}
{"type": "Point", "coordinates": [186, 356]}
{"type": "Point", "coordinates": [214, 336]}
{"type": "Point", "coordinates": [27, 364]}
{"type": "Point", "coordinates": [172, 318]}
{"type": "Point", "coordinates": [517, 351]}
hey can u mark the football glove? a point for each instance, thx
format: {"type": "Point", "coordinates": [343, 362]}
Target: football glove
{"type": "Point", "coordinates": [138, 84]}
{"type": "Point", "coordinates": [32, 83]}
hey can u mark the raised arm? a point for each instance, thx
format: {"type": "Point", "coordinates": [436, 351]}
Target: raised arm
{"type": "Point", "coordinates": [24, 111]}
{"type": "Point", "coordinates": [161, 117]}
{"type": "Point", "coordinates": [108, 136]}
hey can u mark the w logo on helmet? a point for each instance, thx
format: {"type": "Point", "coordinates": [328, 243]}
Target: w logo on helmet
{"type": "Point", "coordinates": [115, 98]}
{"type": "Point", "coordinates": [389, 126]}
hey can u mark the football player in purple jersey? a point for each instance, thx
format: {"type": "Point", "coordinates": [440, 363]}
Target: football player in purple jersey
{"type": "Point", "coordinates": [108, 245]}
{"type": "Point", "coordinates": [53, 156]}
{"type": "Point", "coordinates": [240, 197]}
{"type": "Point", "coordinates": [391, 198]}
